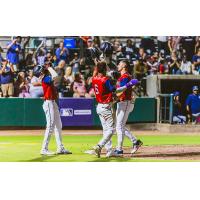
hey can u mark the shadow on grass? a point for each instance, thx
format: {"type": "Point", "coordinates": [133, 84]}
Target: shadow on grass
{"type": "Point", "coordinates": [39, 159]}
{"type": "Point", "coordinates": [156, 155]}
{"type": "Point", "coordinates": [48, 158]}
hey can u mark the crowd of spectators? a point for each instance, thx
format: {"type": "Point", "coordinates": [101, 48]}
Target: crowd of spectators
{"type": "Point", "coordinates": [149, 56]}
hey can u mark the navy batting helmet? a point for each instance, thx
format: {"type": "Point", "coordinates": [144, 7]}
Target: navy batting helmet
{"type": "Point", "coordinates": [93, 52]}
{"type": "Point", "coordinates": [38, 70]}
{"type": "Point", "coordinates": [106, 48]}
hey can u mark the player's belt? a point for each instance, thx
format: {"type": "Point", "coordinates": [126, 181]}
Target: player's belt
{"type": "Point", "coordinates": [49, 100]}
{"type": "Point", "coordinates": [106, 103]}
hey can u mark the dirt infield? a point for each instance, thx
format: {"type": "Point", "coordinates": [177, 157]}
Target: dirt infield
{"type": "Point", "coordinates": [166, 152]}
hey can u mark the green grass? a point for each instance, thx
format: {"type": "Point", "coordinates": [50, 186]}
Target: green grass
{"type": "Point", "coordinates": [27, 148]}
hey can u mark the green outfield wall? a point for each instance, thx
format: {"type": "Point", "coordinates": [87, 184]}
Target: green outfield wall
{"type": "Point", "coordinates": [27, 112]}
{"type": "Point", "coordinates": [144, 111]}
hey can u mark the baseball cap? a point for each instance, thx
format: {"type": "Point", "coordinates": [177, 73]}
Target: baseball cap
{"type": "Point", "coordinates": [195, 88]}
{"type": "Point", "coordinates": [4, 60]}
{"type": "Point", "coordinates": [177, 93]}
{"type": "Point", "coordinates": [89, 40]}
{"type": "Point", "coordinates": [30, 52]}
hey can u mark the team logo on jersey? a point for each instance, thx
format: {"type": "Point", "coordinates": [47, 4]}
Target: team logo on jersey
{"type": "Point", "coordinates": [66, 112]}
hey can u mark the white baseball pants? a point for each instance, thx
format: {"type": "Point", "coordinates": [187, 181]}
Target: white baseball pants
{"type": "Point", "coordinates": [179, 119]}
{"type": "Point", "coordinates": [123, 110]}
{"type": "Point", "coordinates": [105, 113]}
{"type": "Point", "coordinates": [54, 124]}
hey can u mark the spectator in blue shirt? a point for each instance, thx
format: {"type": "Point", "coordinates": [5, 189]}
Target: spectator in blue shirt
{"type": "Point", "coordinates": [6, 79]}
{"type": "Point", "coordinates": [62, 53]}
{"type": "Point", "coordinates": [193, 103]}
{"type": "Point", "coordinates": [13, 52]}
{"type": "Point", "coordinates": [196, 63]}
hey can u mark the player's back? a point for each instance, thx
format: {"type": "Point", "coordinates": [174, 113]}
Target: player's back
{"type": "Point", "coordinates": [103, 95]}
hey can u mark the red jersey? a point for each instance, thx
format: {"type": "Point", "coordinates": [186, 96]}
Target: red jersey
{"type": "Point", "coordinates": [127, 94]}
{"type": "Point", "coordinates": [49, 89]}
{"type": "Point", "coordinates": [103, 95]}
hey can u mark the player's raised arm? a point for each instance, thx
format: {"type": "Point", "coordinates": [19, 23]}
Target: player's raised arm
{"type": "Point", "coordinates": [52, 72]}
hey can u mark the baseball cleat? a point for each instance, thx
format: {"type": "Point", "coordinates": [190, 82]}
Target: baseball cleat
{"type": "Point", "coordinates": [63, 151]}
{"type": "Point", "coordinates": [97, 150]}
{"type": "Point", "coordinates": [119, 152]}
{"type": "Point", "coordinates": [111, 153]}
{"type": "Point", "coordinates": [46, 153]}
{"type": "Point", "coordinates": [136, 146]}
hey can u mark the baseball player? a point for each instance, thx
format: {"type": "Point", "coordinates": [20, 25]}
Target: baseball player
{"type": "Point", "coordinates": [104, 95]}
{"type": "Point", "coordinates": [124, 108]}
{"type": "Point", "coordinates": [193, 104]}
{"type": "Point", "coordinates": [50, 108]}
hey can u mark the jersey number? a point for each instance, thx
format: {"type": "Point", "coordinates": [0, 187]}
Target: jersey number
{"type": "Point", "coordinates": [96, 89]}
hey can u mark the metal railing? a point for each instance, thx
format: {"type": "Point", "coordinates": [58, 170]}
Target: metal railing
{"type": "Point", "coordinates": [166, 108]}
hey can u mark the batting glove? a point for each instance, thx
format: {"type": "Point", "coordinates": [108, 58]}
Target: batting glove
{"type": "Point", "coordinates": [131, 83]}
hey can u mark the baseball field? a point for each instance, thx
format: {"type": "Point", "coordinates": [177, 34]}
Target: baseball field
{"type": "Point", "coordinates": [24, 146]}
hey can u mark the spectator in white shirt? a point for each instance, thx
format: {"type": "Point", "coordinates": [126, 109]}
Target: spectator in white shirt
{"type": "Point", "coordinates": [35, 85]}
{"type": "Point", "coordinates": [186, 66]}
{"type": "Point", "coordinates": [152, 64]}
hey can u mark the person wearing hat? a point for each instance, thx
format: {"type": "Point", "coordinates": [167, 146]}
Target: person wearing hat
{"type": "Point", "coordinates": [196, 63]}
{"type": "Point", "coordinates": [177, 109]}
{"type": "Point", "coordinates": [90, 43]}
{"type": "Point", "coordinates": [193, 104]}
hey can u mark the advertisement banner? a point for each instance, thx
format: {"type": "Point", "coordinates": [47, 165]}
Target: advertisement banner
{"type": "Point", "coordinates": [76, 112]}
